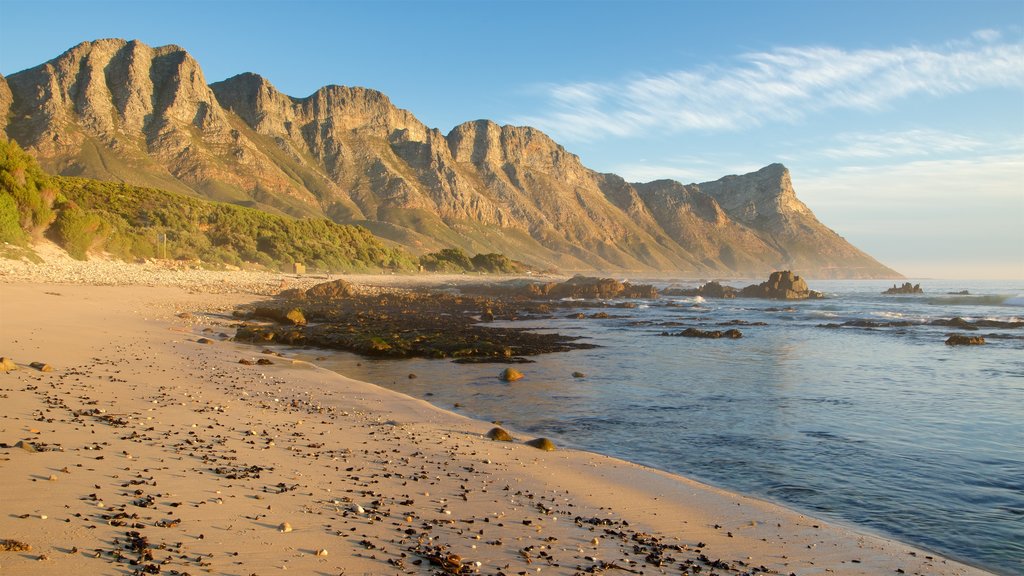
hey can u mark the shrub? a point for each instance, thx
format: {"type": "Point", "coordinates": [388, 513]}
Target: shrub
{"type": "Point", "coordinates": [78, 230]}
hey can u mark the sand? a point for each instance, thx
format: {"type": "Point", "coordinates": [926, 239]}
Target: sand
{"type": "Point", "coordinates": [158, 449]}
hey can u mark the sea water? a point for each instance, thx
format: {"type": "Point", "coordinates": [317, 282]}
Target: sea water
{"type": "Point", "coordinates": [887, 429]}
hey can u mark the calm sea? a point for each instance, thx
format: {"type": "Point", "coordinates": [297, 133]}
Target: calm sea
{"type": "Point", "coordinates": [887, 429]}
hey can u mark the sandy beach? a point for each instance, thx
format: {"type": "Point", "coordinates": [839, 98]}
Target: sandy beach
{"type": "Point", "coordinates": [147, 447]}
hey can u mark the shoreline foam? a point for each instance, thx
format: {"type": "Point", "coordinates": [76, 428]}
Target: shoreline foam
{"type": "Point", "coordinates": [123, 350]}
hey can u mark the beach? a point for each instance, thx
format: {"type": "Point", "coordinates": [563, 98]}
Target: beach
{"type": "Point", "coordinates": [149, 448]}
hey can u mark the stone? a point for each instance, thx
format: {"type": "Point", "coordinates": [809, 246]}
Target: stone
{"type": "Point", "coordinates": [332, 290]}
{"type": "Point", "coordinates": [781, 285]}
{"type": "Point", "coordinates": [7, 545]}
{"type": "Point", "coordinates": [541, 444]}
{"type": "Point", "coordinates": [906, 288]}
{"type": "Point", "coordinates": [26, 446]}
{"type": "Point", "coordinates": [284, 527]}
{"type": "Point", "coordinates": [204, 341]}
{"type": "Point", "coordinates": [578, 375]}
{"type": "Point", "coordinates": [264, 361]}
{"type": "Point", "coordinates": [964, 340]}
{"type": "Point", "coordinates": [510, 375]}
{"type": "Point", "coordinates": [321, 552]}
{"type": "Point", "coordinates": [499, 434]}
{"type": "Point", "coordinates": [296, 317]}
{"type": "Point", "coordinates": [42, 366]}
{"type": "Point", "coordinates": [6, 364]}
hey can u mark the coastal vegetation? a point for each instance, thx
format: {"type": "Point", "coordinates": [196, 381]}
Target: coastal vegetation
{"type": "Point", "coordinates": [131, 222]}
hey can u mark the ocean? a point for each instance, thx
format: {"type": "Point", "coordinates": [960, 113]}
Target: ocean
{"type": "Point", "coordinates": [880, 426]}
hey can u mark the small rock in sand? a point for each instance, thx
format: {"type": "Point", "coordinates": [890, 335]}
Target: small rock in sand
{"type": "Point", "coordinates": [52, 478]}
{"type": "Point", "coordinates": [14, 546]}
{"type": "Point", "coordinates": [26, 446]}
{"type": "Point", "coordinates": [284, 527]}
{"type": "Point", "coordinates": [321, 552]}
{"type": "Point", "coordinates": [42, 366]}
{"type": "Point", "coordinates": [542, 444]}
{"type": "Point", "coordinates": [204, 341]}
{"type": "Point", "coordinates": [6, 364]}
{"type": "Point", "coordinates": [499, 434]}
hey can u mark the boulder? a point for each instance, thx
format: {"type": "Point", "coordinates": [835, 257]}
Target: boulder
{"type": "Point", "coordinates": [499, 434]}
{"type": "Point", "coordinates": [781, 285]}
{"type": "Point", "coordinates": [296, 317]}
{"type": "Point", "coordinates": [732, 333]}
{"type": "Point", "coordinates": [964, 340]}
{"type": "Point", "coordinates": [541, 444]}
{"type": "Point", "coordinates": [332, 290]}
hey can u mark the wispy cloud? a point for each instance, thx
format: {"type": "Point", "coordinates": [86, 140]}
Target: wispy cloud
{"type": "Point", "coordinates": [919, 143]}
{"type": "Point", "coordinates": [785, 84]}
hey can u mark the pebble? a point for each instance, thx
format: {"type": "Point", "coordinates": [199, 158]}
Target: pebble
{"type": "Point", "coordinates": [284, 527]}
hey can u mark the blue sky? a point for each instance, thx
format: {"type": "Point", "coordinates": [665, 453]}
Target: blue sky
{"type": "Point", "coordinates": [902, 122]}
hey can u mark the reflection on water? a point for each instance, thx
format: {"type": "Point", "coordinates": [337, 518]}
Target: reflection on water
{"type": "Point", "coordinates": [884, 428]}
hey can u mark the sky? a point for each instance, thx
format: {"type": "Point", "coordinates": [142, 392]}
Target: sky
{"type": "Point", "coordinates": [902, 122]}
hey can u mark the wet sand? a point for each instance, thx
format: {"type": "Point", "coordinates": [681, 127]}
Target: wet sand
{"type": "Point", "coordinates": [156, 446]}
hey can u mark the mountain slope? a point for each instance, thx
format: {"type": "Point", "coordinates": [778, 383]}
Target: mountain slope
{"type": "Point", "coordinates": [127, 112]}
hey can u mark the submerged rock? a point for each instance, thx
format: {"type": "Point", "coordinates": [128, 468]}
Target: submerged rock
{"type": "Point", "coordinates": [732, 333]}
{"type": "Point", "coordinates": [510, 375]}
{"type": "Point", "coordinates": [964, 340]}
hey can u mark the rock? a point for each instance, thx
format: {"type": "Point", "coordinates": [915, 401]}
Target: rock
{"type": "Point", "coordinates": [499, 434]}
{"type": "Point", "coordinates": [541, 444]}
{"type": "Point", "coordinates": [782, 285]}
{"type": "Point", "coordinates": [26, 446]}
{"type": "Point", "coordinates": [14, 546]}
{"type": "Point", "coordinates": [732, 333]}
{"type": "Point", "coordinates": [487, 315]}
{"type": "Point", "coordinates": [906, 288]}
{"type": "Point", "coordinates": [264, 361]}
{"type": "Point", "coordinates": [332, 290]}
{"type": "Point", "coordinates": [510, 375]}
{"type": "Point", "coordinates": [245, 361]}
{"type": "Point", "coordinates": [284, 527]}
{"type": "Point", "coordinates": [6, 364]}
{"type": "Point", "coordinates": [52, 478]}
{"type": "Point", "coordinates": [204, 341]}
{"type": "Point", "coordinates": [357, 509]}
{"type": "Point", "coordinates": [412, 376]}
{"type": "Point", "coordinates": [296, 317]}
{"type": "Point", "coordinates": [711, 289]}
{"type": "Point", "coordinates": [578, 375]}
{"type": "Point", "coordinates": [964, 340]}
{"type": "Point", "coordinates": [42, 366]}
{"type": "Point", "coordinates": [321, 552]}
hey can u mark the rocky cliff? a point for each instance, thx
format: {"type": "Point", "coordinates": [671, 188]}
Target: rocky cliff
{"type": "Point", "coordinates": [124, 111]}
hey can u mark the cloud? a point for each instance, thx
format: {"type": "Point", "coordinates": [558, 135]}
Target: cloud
{"type": "Point", "coordinates": [920, 142]}
{"type": "Point", "coordinates": [782, 85]}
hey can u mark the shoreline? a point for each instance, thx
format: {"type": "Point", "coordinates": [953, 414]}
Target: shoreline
{"type": "Point", "coordinates": [140, 320]}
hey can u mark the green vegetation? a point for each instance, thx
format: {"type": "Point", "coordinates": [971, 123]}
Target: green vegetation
{"type": "Point", "coordinates": [454, 260]}
{"type": "Point", "coordinates": [26, 195]}
{"type": "Point", "coordinates": [132, 222]}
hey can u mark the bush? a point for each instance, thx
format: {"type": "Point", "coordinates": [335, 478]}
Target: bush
{"type": "Point", "coordinates": [78, 230]}
{"type": "Point", "coordinates": [495, 264]}
{"type": "Point", "coordinates": [10, 227]}
{"type": "Point", "coordinates": [31, 189]}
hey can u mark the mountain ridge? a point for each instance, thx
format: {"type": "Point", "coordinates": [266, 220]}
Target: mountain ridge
{"type": "Point", "coordinates": [124, 111]}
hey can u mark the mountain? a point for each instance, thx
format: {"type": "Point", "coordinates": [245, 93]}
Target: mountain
{"type": "Point", "coordinates": [127, 112]}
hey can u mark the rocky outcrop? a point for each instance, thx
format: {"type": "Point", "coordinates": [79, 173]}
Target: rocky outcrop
{"type": "Point", "coordinates": [766, 203]}
{"type": "Point", "coordinates": [906, 288]}
{"type": "Point", "coordinates": [964, 340]}
{"type": "Point", "coordinates": [124, 111]}
{"type": "Point", "coordinates": [782, 285]}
